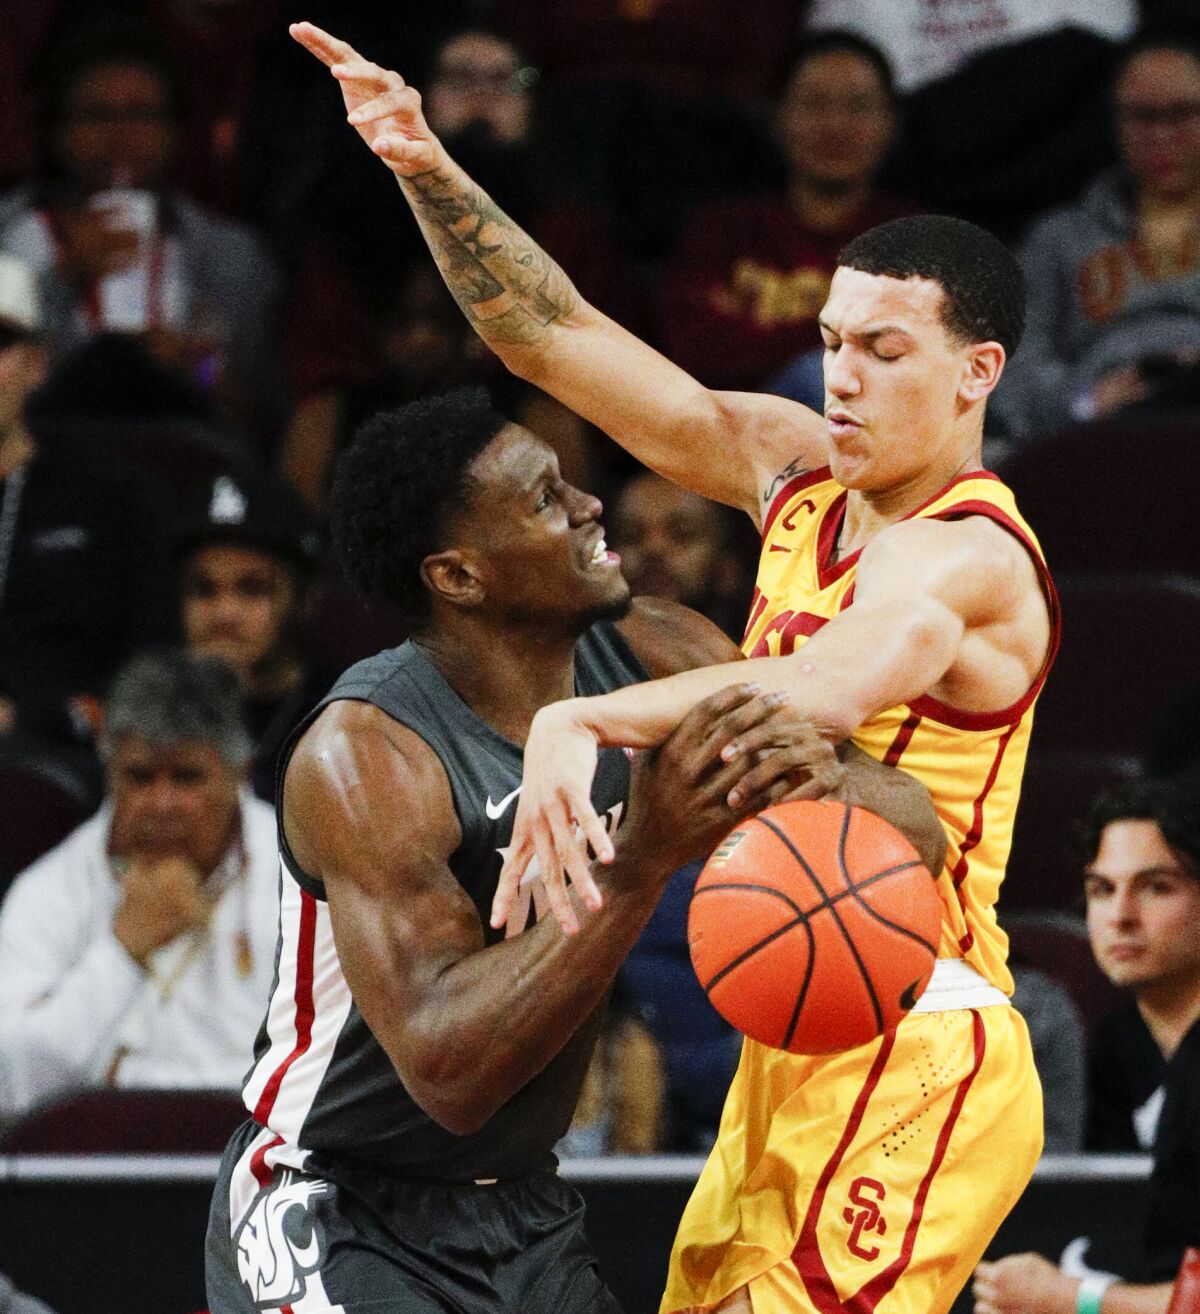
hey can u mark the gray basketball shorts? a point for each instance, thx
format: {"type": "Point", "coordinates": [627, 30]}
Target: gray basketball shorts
{"type": "Point", "coordinates": [343, 1239]}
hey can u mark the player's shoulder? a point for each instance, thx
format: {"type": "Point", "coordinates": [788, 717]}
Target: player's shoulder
{"type": "Point", "coordinates": [667, 637]}
{"type": "Point", "coordinates": [972, 558]}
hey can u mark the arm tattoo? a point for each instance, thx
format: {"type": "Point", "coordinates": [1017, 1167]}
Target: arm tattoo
{"type": "Point", "coordinates": [793, 470]}
{"type": "Point", "coordinates": [507, 286]}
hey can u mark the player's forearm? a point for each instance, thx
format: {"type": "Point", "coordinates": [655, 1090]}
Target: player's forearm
{"type": "Point", "coordinates": [517, 1003]}
{"type": "Point", "coordinates": [898, 798]}
{"type": "Point", "coordinates": [865, 660]}
{"type": "Point", "coordinates": [512, 293]}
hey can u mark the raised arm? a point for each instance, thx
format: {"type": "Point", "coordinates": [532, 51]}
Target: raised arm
{"type": "Point", "coordinates": [727, 446]}
{"type": "Point", "coordinates": [952, 609]}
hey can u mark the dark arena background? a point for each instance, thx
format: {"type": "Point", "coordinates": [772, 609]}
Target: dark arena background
{"type": "Point", "coordinates": [208, 285]}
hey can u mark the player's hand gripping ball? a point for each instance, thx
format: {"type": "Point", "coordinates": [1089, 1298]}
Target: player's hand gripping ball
{"type": "Point", "coordinates": [814, 927]}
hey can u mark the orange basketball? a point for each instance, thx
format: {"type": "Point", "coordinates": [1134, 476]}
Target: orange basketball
{"type": "Point", "coordinates": [814, 927]}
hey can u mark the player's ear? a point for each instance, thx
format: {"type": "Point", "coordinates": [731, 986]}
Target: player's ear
{"type": "Point", "coordinates": [982, 368]}
{"type": "Point", "coordinates": [453, 576]}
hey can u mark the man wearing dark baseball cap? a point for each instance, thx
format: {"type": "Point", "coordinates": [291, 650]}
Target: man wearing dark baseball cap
{"type": "Point", "coordinates": [248, 552]}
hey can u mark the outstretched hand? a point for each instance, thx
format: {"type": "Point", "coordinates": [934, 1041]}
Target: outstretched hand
{"type": "Point", "coordinates": [382, 108]}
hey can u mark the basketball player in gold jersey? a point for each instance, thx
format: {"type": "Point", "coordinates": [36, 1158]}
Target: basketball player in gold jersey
{"type": "Point", "coordinates": [902, 603]}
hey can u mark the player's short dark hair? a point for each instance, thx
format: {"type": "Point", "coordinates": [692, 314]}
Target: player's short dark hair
{"type": "Point", "coordinates": [395, 486]}
{"type": "Point", "coordinates": [1173, 806]}
{"type": "Point", "coordinates": [982, 281]}
{"type": "Point", "coordinates": [811, 45]}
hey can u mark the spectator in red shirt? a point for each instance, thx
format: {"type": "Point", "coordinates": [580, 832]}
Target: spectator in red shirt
{"type": "Point", "coordinates": [740, 297]}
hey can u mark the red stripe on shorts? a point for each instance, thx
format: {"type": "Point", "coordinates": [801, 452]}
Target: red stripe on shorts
{"type": "Point", "coordinates": [258, 1162]}
{"type": "Point", "coordinates": [305, 1008]}
{"type": "Point", "coordinates": [807, 1255]}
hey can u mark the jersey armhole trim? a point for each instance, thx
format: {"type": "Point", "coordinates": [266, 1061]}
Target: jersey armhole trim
{"type": "Point", "coordinates": [934, 710]}
{"type": "Point", "coordinates": [789, 490]}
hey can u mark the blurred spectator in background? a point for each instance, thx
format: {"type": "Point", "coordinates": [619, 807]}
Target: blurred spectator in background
{"type": "Point", "coordinates": [86, 571]}
{"type": "Point", "coordinates": [1142, 885]}
{"type": "Point", "coordinates": [140, 950]}
{"type": "Point", "coordinates": [1114, 281]}
{"type": "Point", "coordinates": [1040, 136]}
{"type": "Point", "coordinates": [206, 36]}
{"type": "Point", "coordinates": [699, 1050]}
{"type": "Point", "coordinates": [679, 546]}
{"type": "Point", "coordinates": [417, 344]}
{"type": "Point", "coordinates": [1056, 1035]}
{"type": "Point", "coordinates": [248, 552]}
{"type": "Point", "coordinates": [741, 295]}
{"type": "Point", "coordinates": [372, 325]}
{"type": "Point", "coordinates": [683, 47]}
{"type": "Point", "coordinates": [119, 249]}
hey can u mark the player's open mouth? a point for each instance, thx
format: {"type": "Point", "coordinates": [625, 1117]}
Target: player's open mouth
{"type": "Point", "coordinates": [601, 556]}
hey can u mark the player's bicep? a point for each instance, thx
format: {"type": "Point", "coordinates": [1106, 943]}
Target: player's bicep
{"type": "Point", "coordinates": [368, 811]}
{"type": "Point", "coordinates": [721, 445]}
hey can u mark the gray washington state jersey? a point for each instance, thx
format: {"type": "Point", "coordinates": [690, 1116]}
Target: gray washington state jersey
{"type": "Point", "coordinates": [322, 1087]}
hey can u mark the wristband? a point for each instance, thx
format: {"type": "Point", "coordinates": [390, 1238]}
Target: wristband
{"type": "Point", "coordinates": [1091, 1292]}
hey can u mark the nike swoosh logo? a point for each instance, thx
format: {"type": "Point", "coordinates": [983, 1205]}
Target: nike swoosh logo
{"type": "Point", "coordinates": [496, 810]}
{"type": "Point", "coordinates": [908, 996]}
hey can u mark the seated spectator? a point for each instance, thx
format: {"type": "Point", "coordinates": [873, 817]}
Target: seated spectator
{"type": "Point", "coordinates": [679, 546]}
{"type": "Point", "coordinates": [140, 950]}
{"type": "Point", "coordinates": [1142, 885]}
{"type": "Point", "coordinates": [741, 295]}
{"type": "Point", "coordinates": [119, 249]}
{"type": "Point", "coordinates": [86, 575]}
{"type": "Point", "coordinates": [1114, 281]}
{"type": "Point", "coordinates": [248, 551]}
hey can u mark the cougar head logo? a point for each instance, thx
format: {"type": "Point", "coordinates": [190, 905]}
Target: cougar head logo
{"type": "Point", "coordinates": [276, 1247]}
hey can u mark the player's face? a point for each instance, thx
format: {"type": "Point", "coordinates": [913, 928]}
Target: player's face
{"type": "Point", "coordinates": [236, 605]}
{"type": "Point", "coordinates": [1158, 121]}
{"type": "Point", "coordinates": [1143, 907]}
{"type": "Point", "coordinates": [835, 121]}
{"type": "Point", "coordinates": [536, 541]}
{"type": "Point", "coordinates": [893, 379]}
{"type": "Point", "coordinates": [171, 802]}
{"type": "Point", "coordinates": [670, 542]}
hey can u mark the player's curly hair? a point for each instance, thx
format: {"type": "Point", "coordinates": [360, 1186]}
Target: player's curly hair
{"type": "Point", "coordinates": [1173, 806]}
{"type": "Point", "coordinates": [983, 283]}
{"type": "Point", "coordinates": [395, 486]}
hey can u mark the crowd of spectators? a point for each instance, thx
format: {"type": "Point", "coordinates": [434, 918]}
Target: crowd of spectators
{"type": "Point", "coordinates": [203, 291]}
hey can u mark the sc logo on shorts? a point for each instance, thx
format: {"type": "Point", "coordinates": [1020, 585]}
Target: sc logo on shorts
{"type": "Point", "coordinates": [867, 1194]}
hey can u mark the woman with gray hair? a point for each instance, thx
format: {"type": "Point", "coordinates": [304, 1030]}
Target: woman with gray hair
{"type": "Point", "coordinates": [139, 952]}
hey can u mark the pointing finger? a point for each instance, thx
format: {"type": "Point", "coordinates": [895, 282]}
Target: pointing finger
{"type": "Point", "coordinates": [328, 49]}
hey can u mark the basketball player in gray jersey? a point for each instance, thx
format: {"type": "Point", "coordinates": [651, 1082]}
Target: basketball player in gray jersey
{"type": "Point", "coordinates": [416, 1066]}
